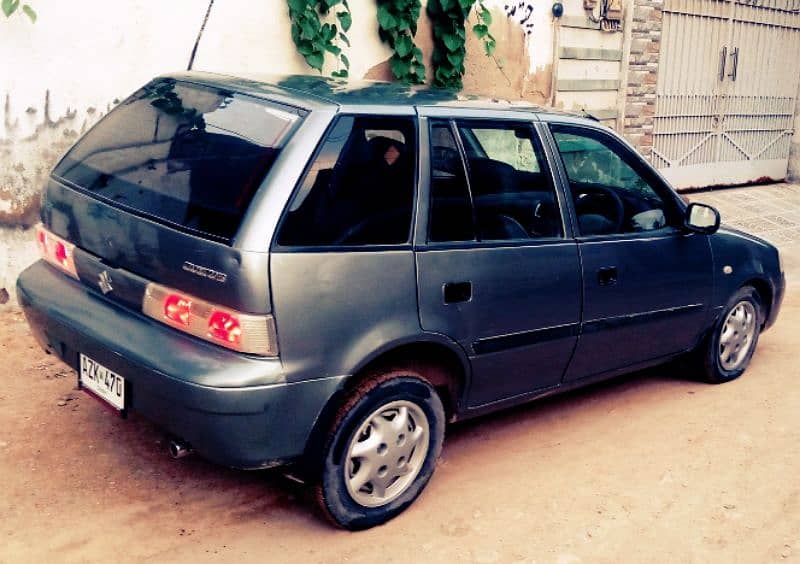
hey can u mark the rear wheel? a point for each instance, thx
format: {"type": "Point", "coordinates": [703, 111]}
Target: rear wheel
{"type": "Point", "coordinates": [381, 450]}
{"type": "Point", "coordinates": [727, 351]}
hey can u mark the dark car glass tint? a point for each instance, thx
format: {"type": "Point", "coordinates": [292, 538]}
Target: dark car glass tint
{"type": "Point", "coordinates": [359, 190]}
{"type": "Point", "coordinates": [183, 154]}
{"type": "Point", "coordinates": [510, 197]}
{"type": "Point", "coordinates": [610, 191]}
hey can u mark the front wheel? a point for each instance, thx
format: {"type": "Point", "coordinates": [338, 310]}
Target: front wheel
{"type": "Point", "coordinates": [727, 351]}
{"type": "Point", "coordinates": [381, 450]}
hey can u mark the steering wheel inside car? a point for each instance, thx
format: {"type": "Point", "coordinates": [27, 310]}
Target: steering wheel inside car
{"type": "Point", "coordinates": [599, 201]}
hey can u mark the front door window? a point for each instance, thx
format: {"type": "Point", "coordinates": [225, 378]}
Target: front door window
{"type": "Point", "coordinates": [611, 191]}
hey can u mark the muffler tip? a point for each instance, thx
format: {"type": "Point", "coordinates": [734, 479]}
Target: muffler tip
{"type": "Point", "coordinates": [178, 449]}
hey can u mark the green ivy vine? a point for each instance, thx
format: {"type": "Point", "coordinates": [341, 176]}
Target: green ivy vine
{"type": "Point", "coordinates": [449, 36]}
{"type": "Point", "coordinates": [397, 26]}
{"type": "Point", "coordinates": [313, 38]}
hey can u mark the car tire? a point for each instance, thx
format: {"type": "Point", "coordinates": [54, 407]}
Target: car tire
{"type": "Point", "coordinates": [374, 465]}
{"type": "Point", "coordinates": [727, 350]}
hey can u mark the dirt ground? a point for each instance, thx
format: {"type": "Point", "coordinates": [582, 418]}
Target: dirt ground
{"type": "Point", "coordinates": [648, 468]}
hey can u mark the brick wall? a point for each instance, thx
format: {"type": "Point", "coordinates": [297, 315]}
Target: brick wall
{"type": "Point", "coordinates": [640, 91]}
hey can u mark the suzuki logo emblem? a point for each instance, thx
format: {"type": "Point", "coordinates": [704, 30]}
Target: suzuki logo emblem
{"type": "Point", "coordinates": [104, 281]}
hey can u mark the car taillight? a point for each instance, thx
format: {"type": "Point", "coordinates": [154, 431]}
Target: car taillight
{"type": "Point", "coordinates": [224, 327]}
{"type": "Point", "coordinates": [177, 309]}
{"type": "Point", "coordinates": [232, 329]}
{"type": "Point", "coordinates": [56, 251]}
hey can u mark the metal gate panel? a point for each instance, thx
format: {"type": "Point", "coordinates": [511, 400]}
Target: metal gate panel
{"type": "Point", "coordinates": [725, 99]}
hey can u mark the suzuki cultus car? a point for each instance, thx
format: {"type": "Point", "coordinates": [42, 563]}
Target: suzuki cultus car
{"type": "Point", "coordinates": [318, 274]}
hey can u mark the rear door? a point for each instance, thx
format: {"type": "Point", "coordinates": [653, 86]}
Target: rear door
{"type": "Point", "coordinates": [646, 281]}
{"type": "Point", "coordinates": [496, 271]}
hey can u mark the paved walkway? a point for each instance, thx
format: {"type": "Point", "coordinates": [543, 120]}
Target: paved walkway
{"type": "Point", "coordinates": [771, 212]}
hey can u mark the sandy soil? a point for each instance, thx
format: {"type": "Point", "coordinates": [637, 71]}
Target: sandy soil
{"type": "Point", "coordinates": [646, 468]}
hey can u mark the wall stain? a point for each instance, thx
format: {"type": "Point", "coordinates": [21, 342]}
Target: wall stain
{"type": "Point", "coordinates": [26, 161]}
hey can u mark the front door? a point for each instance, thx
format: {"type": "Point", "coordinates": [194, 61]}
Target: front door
{"type": "Point", "coordinates": [496, 272]}
{"type": "Point", "coordinates": [646, 281]}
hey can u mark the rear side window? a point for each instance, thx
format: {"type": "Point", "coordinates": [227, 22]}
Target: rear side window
{"type": "Point", "coordinates": [508, 194]}
{"type": "Point", "coordinates": [359, 190]}
{"type": "Point", "coordinates": [184, 154]}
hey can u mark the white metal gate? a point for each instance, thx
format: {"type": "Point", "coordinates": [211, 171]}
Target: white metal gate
{"type": "Point", "coordinates": [727, 88]}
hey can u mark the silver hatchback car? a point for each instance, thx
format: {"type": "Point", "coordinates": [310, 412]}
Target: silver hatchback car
{"type": "Point", "coordinates": [322, 274]}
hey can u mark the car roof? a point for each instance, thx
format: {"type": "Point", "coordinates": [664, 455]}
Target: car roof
{"type": "Point", "coordinates": [310, 92]}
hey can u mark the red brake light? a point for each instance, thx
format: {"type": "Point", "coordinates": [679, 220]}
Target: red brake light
{"type": "Point", "coordinates": [225, 327]}
{"type": "Point", "coordinates": [177, 309]}
{"type": "Point", "coordinates": [61, 254]}
{"type": "Point", "coordinates": [56, 251]}
{"type": "Point", "coordinates": [239, 331]}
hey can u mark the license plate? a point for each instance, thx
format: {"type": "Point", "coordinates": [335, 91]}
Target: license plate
{"type": "Point", "coordinates": [102, 382]}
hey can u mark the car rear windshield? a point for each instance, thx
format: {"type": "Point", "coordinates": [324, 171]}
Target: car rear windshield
{"type": "Point", "coordinates": [188, 155]}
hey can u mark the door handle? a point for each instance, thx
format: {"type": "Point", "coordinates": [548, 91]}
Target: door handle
{"type": "Point", "coordinates": [607, 276]}
{"type": "Point", "coordinates": [723, 59]}
{"type": "Point", "coordinates": [735, 57]}
{"type": "Point", "coordinates": [455, 292]}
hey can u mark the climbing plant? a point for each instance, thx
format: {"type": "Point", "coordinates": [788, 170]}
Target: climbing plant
{"type": "Point", "coordinates": [397, 26]}
{"type": "Point", "coordinates": [8, 7]}
{"type": "Point", "coordinates": [449, 38]}
{"type": "Point", "coordinates": [313, 38]}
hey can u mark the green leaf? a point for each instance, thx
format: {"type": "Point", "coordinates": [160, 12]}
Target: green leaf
{"type": "Point", "coordinates": [456, 59]}
{"type": "Point", "coordinates": [333, 49]}
{"type": "Point", "coordinates": [345, 19]}
{"type": "Point", "coordinates": [340, 73]}
{"type": "Point", "coordinates": [486, 16]}
{"type": "Point", "coordinates": [400, 67]}
{"type": "Point", "coordinates": [315, 60]}
{"type": "Point", "coordinates": [385, 18]}
{"type": "Point", "coordinates": [345, 60]}
{"type": "Point", "coordinates": [309, 29]}
{"type": "Point", "coordinates": [297, 5]}
{"type": "Point", "coordinates": [344, 39]}
{"type": "Point", "coordinates": [452, 41]}
{"type": "Point", "coordinates": [489, 46]}
{"type": "Point", "coordinates": [9, 7]}
{"type": "Point", "coordinates": [480, 30]}
{"type": "Point", "coordinates": [447, 5]}
{"type": "Point", "coordinates": [30, 12]}
{"type": "Point", "coordinates": [305, 48]}
{"type": "Point", "coordinates": [328, 31]}
{"type": "Point", "coordinates": [403, 45]}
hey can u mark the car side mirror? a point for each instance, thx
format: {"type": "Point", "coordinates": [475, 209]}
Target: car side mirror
{"type": "Point", "coordinates": [701, 218]}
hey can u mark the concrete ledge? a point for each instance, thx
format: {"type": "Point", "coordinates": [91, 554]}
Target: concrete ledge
{"type": "Point", "coordinates": [586, 85]}
{"type": "Point", "coordinates": [590, 54]}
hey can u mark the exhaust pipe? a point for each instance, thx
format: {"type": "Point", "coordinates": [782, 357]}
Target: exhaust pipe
{"type": "Point", "coordinates": [178, 448]}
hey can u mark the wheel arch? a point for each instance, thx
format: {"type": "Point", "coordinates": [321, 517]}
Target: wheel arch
{"type": "Point", "coordinates": [765, 293]}
{"type": "Point", "coordinates": [438, 359]}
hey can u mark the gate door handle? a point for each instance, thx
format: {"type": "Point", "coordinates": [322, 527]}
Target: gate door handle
{"type": "Point", "coordinates": [735, 57]}
{"type": "Point", "coordinates": [607, 276]}
{"type": "Point", "coordinates": [723, 59]}
{"type": "Point", "coordinates": [455, 292]}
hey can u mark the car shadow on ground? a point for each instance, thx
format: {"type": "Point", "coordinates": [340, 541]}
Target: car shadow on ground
{"type": "Point", "coordinates": [239, 497]}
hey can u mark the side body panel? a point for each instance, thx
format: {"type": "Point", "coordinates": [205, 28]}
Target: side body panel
{"type": "Point", "coordinates": [656, 307]}
{"type": "Point", "coordinates": [335, 309]}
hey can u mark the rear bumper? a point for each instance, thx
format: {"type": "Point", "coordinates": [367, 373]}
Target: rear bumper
{"type": "Point", "coordinates": [234, 409]}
